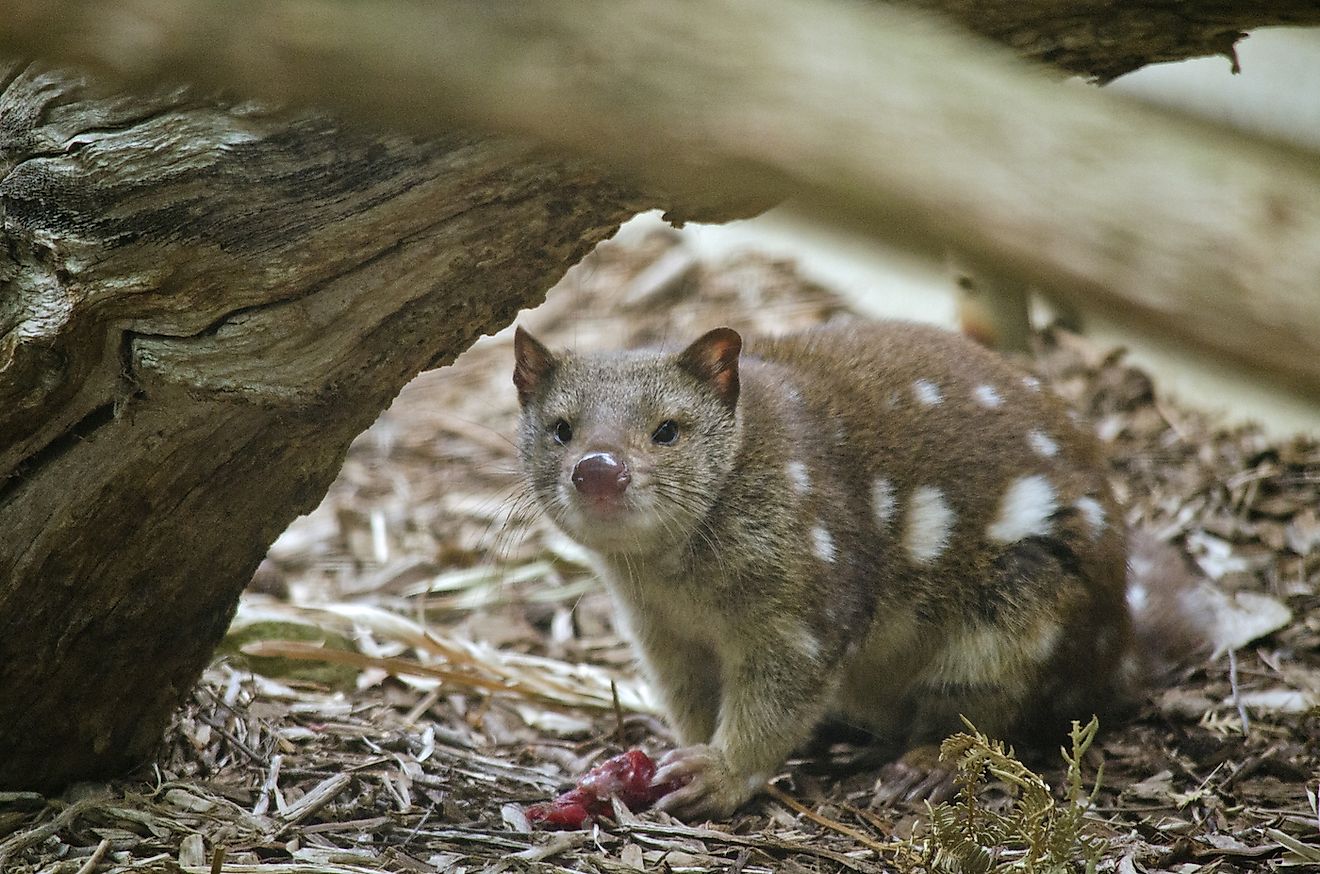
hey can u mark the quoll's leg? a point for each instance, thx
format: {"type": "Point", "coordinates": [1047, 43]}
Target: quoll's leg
{"type": "Point", "coordinates": [938, 705]}
{"type": "Point", "coordinates": [691, 696]}
{"type": "Point", "coordinates": [770, 706]}
{"type": "Point", "coordinates": [1037, 651]}
{"type": "Point", "coordinates": [683, 672]}
{"type": "Point", "coordinates": [685, 675]}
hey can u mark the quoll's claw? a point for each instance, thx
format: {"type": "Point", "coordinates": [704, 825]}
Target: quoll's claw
{"type": "Point", "coordinates": [685, 762]}
{"type": "Point", "coordinates": [917, 776]}
{"type": "Point", "coordinates": [712, 790]}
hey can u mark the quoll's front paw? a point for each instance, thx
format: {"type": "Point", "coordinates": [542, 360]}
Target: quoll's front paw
{"type": "Point", "coordinates": [713, 791]}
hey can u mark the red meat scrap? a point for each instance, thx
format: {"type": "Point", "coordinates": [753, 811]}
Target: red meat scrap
{"type": "Point", "coordinates": [626, 777]}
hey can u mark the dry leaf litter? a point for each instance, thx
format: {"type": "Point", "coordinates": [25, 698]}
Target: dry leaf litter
{"type": "Point", "coordinates": [421, 656]}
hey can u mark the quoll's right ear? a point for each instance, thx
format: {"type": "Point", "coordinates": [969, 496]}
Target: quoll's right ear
{"type": "Point", "coordinates": [713, 359]}
{"type": "Point", "coordinates": [533, 365]}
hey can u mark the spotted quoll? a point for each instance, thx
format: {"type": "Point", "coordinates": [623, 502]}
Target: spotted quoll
{"type": "Point", "coordinates": [883, 524]}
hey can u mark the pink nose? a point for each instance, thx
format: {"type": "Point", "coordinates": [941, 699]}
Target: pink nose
{"type": "Point", "coordinates": [601, 476]}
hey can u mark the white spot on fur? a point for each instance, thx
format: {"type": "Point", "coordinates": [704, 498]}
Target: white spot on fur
{"type": "Point", "coordinates": [822, 543]}
{"type": "Point", "coordinates": [927, 392]}
{"type": "Point", "coordinates": [1031, 382]}
{"type": "Point", "coordinates": [1140, 566]}
{"type": "Point", "coordinates": [986, 396]}
{"type": "Point", "coordinates": [929, 522]}
{"type": "Point", "coordinates": [1093, 514]}
{"type": "Point", "coordinates": [798, 477]}
{"type": "Point", "coordinates": [1137, 596]}
{"type": "Point", "coordinates": [808, 643]}
{"type": "Point", "coordinates": [882, 501]}
{"type": "Point", "coordinates": [1041, 444]}
{"type": "Point", "coordinates": [1025, 510]}
{"type": "Point", "coordinates": [1130, 669]}
{"type": "Point", "coordinates": [1046, 639]}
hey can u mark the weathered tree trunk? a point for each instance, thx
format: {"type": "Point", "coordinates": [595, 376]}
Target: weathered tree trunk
{"type": "Point", "coordinates": [201, 306]}
{"type": "Point", "coordinates": [1102, 39]}
{"type": "Point", "coordinates": [914, 133]}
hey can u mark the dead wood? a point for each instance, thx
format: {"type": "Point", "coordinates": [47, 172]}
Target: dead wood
{"type": "Point", "coordinates": [1102, 39]}
{"type": "Point", "coordinates": [202, 304]}
{"type": "Point", "coordinates": [914, 133]}
{"type": "Point", "coordinates": [298, 49]}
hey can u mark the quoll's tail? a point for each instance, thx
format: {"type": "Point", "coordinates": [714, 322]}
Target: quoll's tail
{"type": "Point", "coordinates": [1173, 618]}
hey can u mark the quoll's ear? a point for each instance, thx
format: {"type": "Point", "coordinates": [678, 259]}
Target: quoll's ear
{"type": "Point", "coordinates": [713, 359]}
{"type": "Point", "coordinates": [532, 364]}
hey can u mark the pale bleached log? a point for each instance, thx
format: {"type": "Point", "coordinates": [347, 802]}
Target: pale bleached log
{"type": "Point", "coordinates": [870, 116]}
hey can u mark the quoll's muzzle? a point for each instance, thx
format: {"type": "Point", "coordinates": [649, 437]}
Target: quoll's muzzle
{"type": "Point", "coordinates": [601, 476]}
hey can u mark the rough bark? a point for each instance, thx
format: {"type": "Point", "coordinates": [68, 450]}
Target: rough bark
{"type": "Point", "coordinates": [919, 135]}
{"type": "Point", "coordinates": [1103, 39]}
{"type": "Point", "coordinates": [202, 304]}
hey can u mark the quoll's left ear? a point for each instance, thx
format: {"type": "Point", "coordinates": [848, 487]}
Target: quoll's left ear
{"type": "Point", "coordinates": [713, 359]}
{"type": "Point", "coordinates": [533, 365]}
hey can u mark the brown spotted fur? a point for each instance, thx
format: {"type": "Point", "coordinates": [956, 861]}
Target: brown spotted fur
{"type": "Point", "coordinates": [748, 635]}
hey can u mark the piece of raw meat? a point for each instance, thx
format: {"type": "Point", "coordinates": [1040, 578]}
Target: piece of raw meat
{"type": "Point", "coordinates": [627, 777]}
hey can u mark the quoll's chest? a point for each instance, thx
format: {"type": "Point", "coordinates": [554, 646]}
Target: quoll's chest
{"type": "Point", "coordinates": [668, 598]}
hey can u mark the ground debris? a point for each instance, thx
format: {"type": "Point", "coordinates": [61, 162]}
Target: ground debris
{"type": "Point", "coordinates": [420, 657]}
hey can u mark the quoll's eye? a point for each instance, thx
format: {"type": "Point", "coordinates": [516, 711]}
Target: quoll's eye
{"type": "Point", "coordinates": [563, 432]}
{"type": "Point", "coordinates": [666, 434]}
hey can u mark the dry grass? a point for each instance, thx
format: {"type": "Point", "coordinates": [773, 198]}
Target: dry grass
{"type": "Point", "coordinates": [419, 657]}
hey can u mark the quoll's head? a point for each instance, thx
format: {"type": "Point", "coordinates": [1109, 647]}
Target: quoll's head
{"type": "Point", "coordinates": [626, 451]}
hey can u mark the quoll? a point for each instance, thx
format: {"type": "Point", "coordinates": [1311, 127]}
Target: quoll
{"type": "Point", "coordinates": [883, 524]}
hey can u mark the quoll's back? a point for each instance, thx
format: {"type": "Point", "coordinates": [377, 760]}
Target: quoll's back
{"type": "Point", "coordinates": [968, 501]}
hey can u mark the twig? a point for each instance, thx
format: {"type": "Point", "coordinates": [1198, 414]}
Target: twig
{"type": "Point", "coordinates": [95, 858]}
{"type": "Point", "coordinates": [228, 735]}
{"type": "Point", "coordinates": [319, 796]}
{"type": "Point", "coordinates": [1237, 693]}
{"type": "Point", "coordinates": [789, 801]}
{"type": "Point", "coordinates": [269, 786]}
{"type": "Point", "coordinates": [648, 831]}
{"type": "Point", "coordinates": [423, 704]}
{"type": "Point", "coordinates": [618, 712]}
{"type": "Point", "coordinates": [20, 842]}
{"type": "Point", "coordinates": [1249, 767]}
{"type": "Point", "coordinates": [405, 667]}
